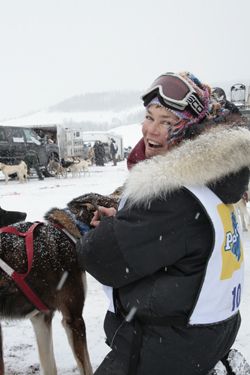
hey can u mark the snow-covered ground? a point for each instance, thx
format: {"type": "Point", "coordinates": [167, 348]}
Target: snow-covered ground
{"type": "Point", "coordinates": [35, 198]}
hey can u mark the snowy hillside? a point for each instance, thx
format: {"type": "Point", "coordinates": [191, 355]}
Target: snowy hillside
{"type": "Point", "coordinates": [89, 120]}
{"type": "Point", "coordinates": [97, 111]}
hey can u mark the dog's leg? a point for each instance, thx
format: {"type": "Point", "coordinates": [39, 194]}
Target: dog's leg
{"type": "Point", "coordinates": [74, 326]}
{"type": "Point", "coordinates": [242, 217]}
{"type": "Point", "coordinates": [239, 207]}
{"type": "Point", "coordinates": [1, 353]}
{"type": "Point", "coordinates": [76, 333]}
{"type": "Point", "coordinates": [243, 213]}
{"type": "Point", "coordinates": [20, 177]}
{"type": "Point", "coordinates": [42, 327]}
{"type": "Point", "coordinates": [247, 216]}
{"type": "Point", "coordinates": [86, 172]}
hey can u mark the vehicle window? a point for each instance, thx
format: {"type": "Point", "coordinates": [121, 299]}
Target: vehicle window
{"type": "Point", "coordinates": [31, 137]}
{"type": "Point", "coordinates": [2, 136]}
{"type": "Point", "coordinates": [17, 135]}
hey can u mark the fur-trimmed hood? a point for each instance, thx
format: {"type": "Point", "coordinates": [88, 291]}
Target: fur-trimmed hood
{"type": "Point", "coordinates": [204, 160]}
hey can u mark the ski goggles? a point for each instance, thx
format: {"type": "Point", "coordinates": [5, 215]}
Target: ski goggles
{"type": "Point", "coordinates": [174, 92]}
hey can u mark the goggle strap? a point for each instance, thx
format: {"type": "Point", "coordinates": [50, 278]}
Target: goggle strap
{"type": "Point", "coordinates": [169, 104]}
{"type": "Point", "coordinates": [195, 104]}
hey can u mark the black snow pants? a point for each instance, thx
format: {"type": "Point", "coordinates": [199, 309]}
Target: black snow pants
{"type": "Point", "coordinates": [170, 350]}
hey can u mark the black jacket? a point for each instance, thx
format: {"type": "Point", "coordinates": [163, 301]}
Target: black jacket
{"type": "Point", "coordinates": [113, 148]}
{"type": "Point", "coordinates": [155, 251]}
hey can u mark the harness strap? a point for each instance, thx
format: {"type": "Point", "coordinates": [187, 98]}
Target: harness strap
{"type": "Point", "coordinates": [28, 242]}
{"type": "Point", "coordinates": [225, 362]}
{"type": "Point", "coordinates": [135, 348]}
{"type": "Point", "coordinates": [19, 278]}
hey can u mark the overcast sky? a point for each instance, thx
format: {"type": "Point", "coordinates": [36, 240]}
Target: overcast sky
{"type": "Point", "coordinates": [54, 49]}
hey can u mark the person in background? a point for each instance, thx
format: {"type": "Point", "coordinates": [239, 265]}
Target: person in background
{"type": "Point", "coordinates": [172, 256]}
{"type": "Point", "coordinates": [99, 153]}
{"type": "Point", "coordinates": [113, 151]}
{"type": "Point", "coordinates": [32, 161]}
{"type": "Point", "coordinates": [219, 96]}
{"type": "Point", "coordinates": [91, 154]}
{"type": "Point", "coordinates": [127, 151]}
{"type": "Point", "coordinates": [85, 151]}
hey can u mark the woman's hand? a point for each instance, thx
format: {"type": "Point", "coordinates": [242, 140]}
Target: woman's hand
{"type": "Point", "coordinates": [102, 211]}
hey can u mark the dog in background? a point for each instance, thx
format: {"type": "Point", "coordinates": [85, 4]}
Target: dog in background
{"type": "Point", "coordinates": [20, 169]}
{"type": "Point", "coordinates": [56, 168]}
{"type": "Point", "coordinates": [242, 211]}
{"type": "Point", "coordinates": [81, 166]}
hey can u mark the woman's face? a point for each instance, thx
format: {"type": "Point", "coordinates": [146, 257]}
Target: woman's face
{"type": "Point", "coordinates": [155, 129]}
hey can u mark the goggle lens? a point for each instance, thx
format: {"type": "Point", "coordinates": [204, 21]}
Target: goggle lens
{"type": "Point", "coordinates": [172, 87]}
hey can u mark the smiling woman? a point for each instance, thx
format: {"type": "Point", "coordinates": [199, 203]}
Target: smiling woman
{"type": "Point", "coordinates": [156, 127]}
{"type": "Point", "coordinates": [172, 255]}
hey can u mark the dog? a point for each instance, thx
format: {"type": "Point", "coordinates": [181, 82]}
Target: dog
{"type": "Point", "coordinates": [67, 163]}
{"type": "Point", "coordinates": [81, 166]}
{"type": "Point", "coordinates": [56, 168]}
{"type": "Point", "coordinates": [54, 277]}
{"type": "Point", "coordinates": [11, 217]}
{"type": "Point", "coordinates": [242, 211]}
{"type": "Point", "coordinates": [20, 169]}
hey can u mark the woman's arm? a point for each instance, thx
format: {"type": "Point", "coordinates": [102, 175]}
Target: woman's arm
{"type": "Point", "coordinates": [133, 244]}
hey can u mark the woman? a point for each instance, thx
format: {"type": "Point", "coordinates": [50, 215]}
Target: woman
{"type": "Point", "coordinates": [172, 254]}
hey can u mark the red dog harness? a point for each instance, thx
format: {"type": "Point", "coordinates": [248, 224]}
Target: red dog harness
{"type": "Point", "coordinates": [19, 278]}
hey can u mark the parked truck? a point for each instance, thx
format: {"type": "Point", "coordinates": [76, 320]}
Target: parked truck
{"type": "Point", "coordinates": [73, 142]}
{"type": "Point", "coordinates": [17, 141]}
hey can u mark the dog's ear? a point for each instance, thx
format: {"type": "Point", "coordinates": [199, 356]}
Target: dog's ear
{"type": "Point", "coordinates": [117, 193]}
{"type": "Point", "coordinates": [83, 207]}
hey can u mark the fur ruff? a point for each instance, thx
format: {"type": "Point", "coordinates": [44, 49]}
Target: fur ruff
{"type": "Point", "coordinates": [62, 218]}
{"type": "Point", "coordinates": [206, 159]}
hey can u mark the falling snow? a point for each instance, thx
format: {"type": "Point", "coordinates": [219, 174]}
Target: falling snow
{"type": "Point", "coordinates": [36, 198]}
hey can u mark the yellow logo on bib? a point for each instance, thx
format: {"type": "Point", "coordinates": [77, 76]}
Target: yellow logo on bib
{"type": "Point", "coordinates": [232, 251]}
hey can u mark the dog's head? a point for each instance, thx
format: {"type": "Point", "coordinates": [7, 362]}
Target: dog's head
{"type": "Point", "coordinates": [1, 166]}
{"type": "Point", "coordinates": [81, 210]}
{"type": "Point", "coordinates": [83, 207]}
{"type": "Point", "coordinates": [11, 217]}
